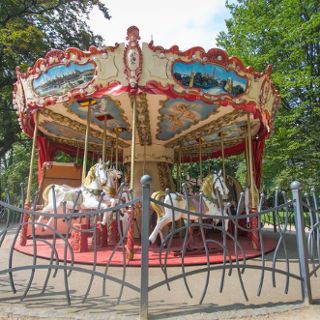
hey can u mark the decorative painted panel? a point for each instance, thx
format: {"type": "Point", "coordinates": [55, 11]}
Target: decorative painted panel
{"type": "Point", "coordinates": [62, 78]}
{"type": "Point", "coordinates": [230, 132]}
{"type": "Point", "coordinates": [67, 132]}
{"type": "Point", "coordinates": [103, 107]}
{"type": "Point", "coordinates": [210, 78]}
{"type": "Point", "coordinates": [178, 115]}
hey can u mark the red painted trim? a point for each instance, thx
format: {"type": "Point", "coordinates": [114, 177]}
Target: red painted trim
{"type": "Point", "coordinates": [154, 87]}
{"type": "Point", "coordinates": [60, 56]}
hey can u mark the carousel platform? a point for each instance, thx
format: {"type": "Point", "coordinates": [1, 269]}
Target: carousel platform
{"type": "Point", "coordinates": [193, 256]}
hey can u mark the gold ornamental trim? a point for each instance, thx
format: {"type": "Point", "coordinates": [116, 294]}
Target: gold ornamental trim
{"type": "Point", "coordinates": [77, 126]}
{"type": "Point", "coordinates": [165, 176]}
{"type": "Point", "coordinates": [212, 145]}
{"type": "Point", "coordinates": [143, 120]}
{"type": "Point", "coordinates": [208, 129]}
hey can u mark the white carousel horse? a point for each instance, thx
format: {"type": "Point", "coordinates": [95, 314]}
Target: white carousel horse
{"type": "Point", "coordinates": [99, 179]}
{"type": "Point", "coordinates": [211, 206]}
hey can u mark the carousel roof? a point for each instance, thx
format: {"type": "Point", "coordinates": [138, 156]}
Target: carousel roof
{"type": "Point", "coordinates": [182, 97]}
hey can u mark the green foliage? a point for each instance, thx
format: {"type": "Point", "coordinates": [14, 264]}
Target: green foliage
{"type": "Point", "coordinates": [63, 157]}
{"type": "Point", "coordinates": [28, 29]}
{"type": "Point", "coordinates": [17, 172]}
{"type": "Point", "coordinates": [285, 34]}
{"type": "Point", "coordinates": [235, 166]}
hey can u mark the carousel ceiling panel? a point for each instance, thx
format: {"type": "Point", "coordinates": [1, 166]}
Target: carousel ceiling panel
{"type": "Point", "coordinates": [108, 108]}
{"type": "Point", "coordinates": [65, 126]}
{"type": "Point", "coordinates": [74, 114]}
{"type": "Point", "coordinates": [231, 134]}
{"type": "Point", "coordinates": [212, 131]}
{"type": "Point", "coordinates": [177, 115]}
{"type": "Point", "coordinates": [58, 130]}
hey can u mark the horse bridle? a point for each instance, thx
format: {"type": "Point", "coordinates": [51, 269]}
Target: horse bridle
{"type": "Point", "coordinates": [218, 179]}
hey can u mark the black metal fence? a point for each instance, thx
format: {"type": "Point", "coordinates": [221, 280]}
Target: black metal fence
{"type": "Point", "coordinates": [233, 239]}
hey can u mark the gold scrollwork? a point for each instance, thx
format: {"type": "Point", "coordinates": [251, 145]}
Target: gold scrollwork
{"type": "Point", "coordinates": [207, 148]}
{"type": "Point", "coordinates": [165, 176]}
{"type": "Point", "coordinates": [143, 120]}
{"type": "Point", "coordinates": [62, 120]}
{"type": "Point", "coordinates": [210, 128]}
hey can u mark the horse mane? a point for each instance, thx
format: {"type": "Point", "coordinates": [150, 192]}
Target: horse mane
{"type": "Point", "coordinates": [157, 195]}
{"type": "Point", "coordinates": [90, 176]}
{"type": "Point", "coordinates": [206, 187]}
{"type": "Point", "coordinates": [45, 194]}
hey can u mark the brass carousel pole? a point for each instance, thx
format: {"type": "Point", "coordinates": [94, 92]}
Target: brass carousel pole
{"type": "Point", "coordinates": [247, 159]}
{"type": "Point", "coordinates": [77, 155]}
{"type": "Point", "coordinates": [200, 158]}
{"type": "Point", "coordinates": [104, 117]}
{"type": "Point", "coordinates": [251, 179]}
{"type": "Point", "coordinates": [223, 157]}
{"type": "Point", "coordinates": [253, 221]}
{"type": "Point", "coordinates": [86, 103]}
{"type": "Point", "coordinates": [117, 148]}
{"type": "Point", "coordinates": [24, 229]}
{"type": "Point", "coordinates": [113, 226]}
{"type": "Point", "coordinates": [35, 133]}
{"type": "Point", "coordinates": [104, 139]}
{"type": "Point", "coordinates": [179, 168]}
{"type": "Point", "coordinates": [117, 132]}
{"type": "Point", "coordinates": [133, 142]}
{"type": "Point", "coordinates": [111, 152]}
{"type": "Point", "coordinates": [132, 209]}
{"type": "Point", "coordinates": [144, 158]}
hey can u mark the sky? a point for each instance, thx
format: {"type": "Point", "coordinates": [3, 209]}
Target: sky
{"type": "Point", "coordinates": [186, 23]}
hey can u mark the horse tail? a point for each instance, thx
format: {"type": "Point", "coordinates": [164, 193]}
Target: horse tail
{"type": "Point", "coordinates": [45, 194]}
{"type": "Point", "coordinates": [90, 176]}
{"type": "Point", "coordinates": [158, 195]}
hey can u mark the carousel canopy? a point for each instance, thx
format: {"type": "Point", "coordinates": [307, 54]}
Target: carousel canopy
{"type": "Point", "coordinates": [181, 97]}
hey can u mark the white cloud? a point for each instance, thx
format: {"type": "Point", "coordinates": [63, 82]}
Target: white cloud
{"type": "Point", "coordinates": [185, 23]}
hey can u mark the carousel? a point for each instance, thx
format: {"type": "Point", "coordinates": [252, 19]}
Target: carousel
{"type": "Point", "coordinates": [143, 109]}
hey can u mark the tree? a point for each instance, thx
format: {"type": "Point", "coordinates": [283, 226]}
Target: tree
{"type": "Point", "coordinates": [28, 29]}
{"type": "Point", "coordinates": [285, 34]}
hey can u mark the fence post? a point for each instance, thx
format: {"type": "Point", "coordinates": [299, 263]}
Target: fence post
{"type": "Point", "coordinates": [301, 242]}
{"type": "Point", "coordinates": [144, 289]}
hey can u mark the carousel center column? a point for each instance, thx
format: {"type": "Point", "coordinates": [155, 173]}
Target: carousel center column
{"type": "Point", "coordinates": [154, 160]}
{"type": "Point", "coordinates": [143, 157]}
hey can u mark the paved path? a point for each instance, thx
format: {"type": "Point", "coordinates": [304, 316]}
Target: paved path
{"type": "Point", "coordinates": [300, 312]}
{"type": "Point", "coordinates": [273, 303]}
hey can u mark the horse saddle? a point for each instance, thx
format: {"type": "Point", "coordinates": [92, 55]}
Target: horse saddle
{"type": "Point", "coordinates": [194, 205]}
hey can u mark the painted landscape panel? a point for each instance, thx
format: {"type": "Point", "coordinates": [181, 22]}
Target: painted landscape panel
{"type": "Point", "coordinates": [62, 78]}
{"type": "Point", "coordinates": [210, 78]}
